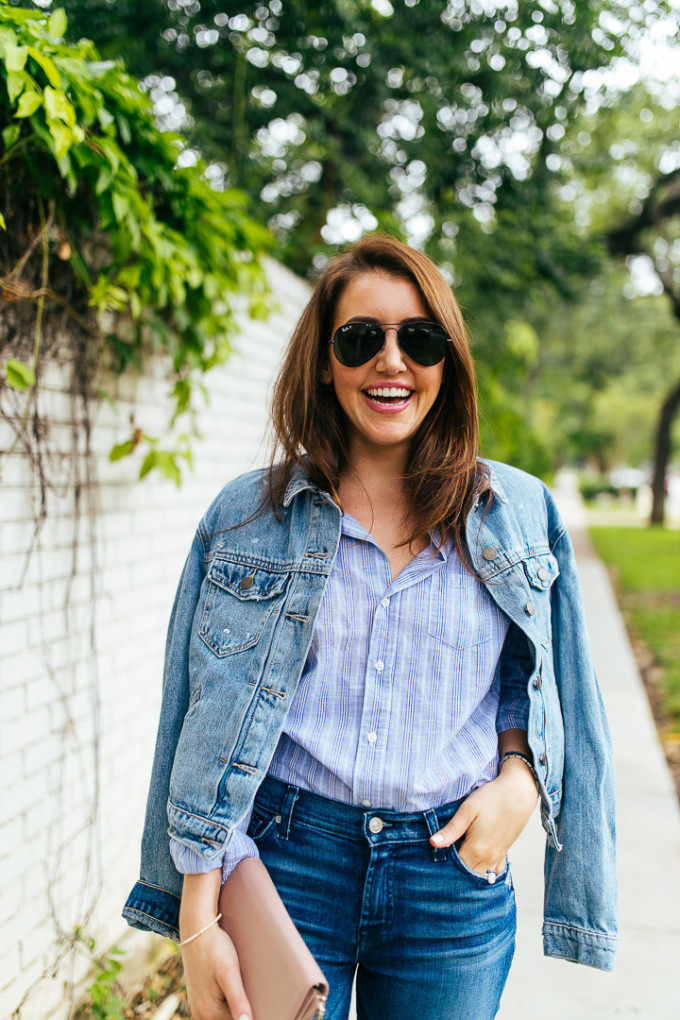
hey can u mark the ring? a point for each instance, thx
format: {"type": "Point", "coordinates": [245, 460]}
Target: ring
{"type": "Point", "coordinates": [491, 877]}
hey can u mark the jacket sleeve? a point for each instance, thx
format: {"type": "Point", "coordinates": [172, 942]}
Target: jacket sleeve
{"type": "Point", "coordinates": [153, 904]}
{"type": "Point", "coordinates": [580, 879]}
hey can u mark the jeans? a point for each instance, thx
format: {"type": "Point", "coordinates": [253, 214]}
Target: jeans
{"type": "Point", "coordinates": [427, 937]}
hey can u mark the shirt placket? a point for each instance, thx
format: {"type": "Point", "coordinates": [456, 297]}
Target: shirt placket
{"type": "Point", "coordinates": [372, 753]}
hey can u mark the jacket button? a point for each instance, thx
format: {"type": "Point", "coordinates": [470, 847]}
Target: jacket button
{"type": "Point", "coordinates": [537, 682]}
{"type": "Point", "coordinates": [246, 582]}
{"type": "Point", "coordinates": [542, 574]}
{"type": "Point", "coordinates": [530, 608]}
{"type": "Point", "coordinates": [542, 759]}
{"type": "Point", "coordinates": [489, 553]}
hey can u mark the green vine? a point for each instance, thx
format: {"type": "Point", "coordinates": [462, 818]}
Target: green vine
{"type": "Point", "coordinates": [107, 240]}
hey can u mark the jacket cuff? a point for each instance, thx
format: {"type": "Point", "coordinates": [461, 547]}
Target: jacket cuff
{"type": "Point", "coordinates": [594, 949]}
{"type": "Point", "coordinates": [151, 908]}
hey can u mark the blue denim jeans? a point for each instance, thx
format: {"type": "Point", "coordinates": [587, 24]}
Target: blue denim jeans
{"type": "Point", "coordinates": [427, 937]}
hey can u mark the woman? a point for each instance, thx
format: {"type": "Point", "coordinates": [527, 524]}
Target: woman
{"type": "Point", "coordinates": [377, 661]}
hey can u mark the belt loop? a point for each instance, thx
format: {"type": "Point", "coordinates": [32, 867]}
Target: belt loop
{"type": "Point", "coordinates": [432, 822]}
{"type": "Point", "coordinates": [291, 795]}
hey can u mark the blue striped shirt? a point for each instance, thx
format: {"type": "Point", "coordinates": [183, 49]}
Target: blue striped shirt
{"type": "Point", "coordinates": [399, 705]}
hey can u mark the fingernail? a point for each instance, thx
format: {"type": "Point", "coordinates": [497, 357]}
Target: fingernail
{"type": "Point", "coordinates": [438, 838]}
{"type": "Point", "coordinates": [244, 1016]}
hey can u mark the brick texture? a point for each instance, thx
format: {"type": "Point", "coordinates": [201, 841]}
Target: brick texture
{"type": "Point", "coordinates": [84, 605]}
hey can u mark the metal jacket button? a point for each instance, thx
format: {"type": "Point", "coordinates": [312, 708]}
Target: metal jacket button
{"type": "Point", "coordinates": [542, 759]}
{"type": "Point", "coordinates": [375, 825]}
{"type": "Point", "coordinates": [542, 574]}
{"type": "Point", "coordinates": [489, 553]}
{"type": "Point", "coordinates": [246, 582]}
{"type": "Point", "coordinates": [530, 608]}
{"type": "Point", "coordinates": [537, 682]}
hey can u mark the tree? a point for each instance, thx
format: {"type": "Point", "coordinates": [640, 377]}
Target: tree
{"type": "Point", "coordinates": [653, 231]}
{"type": "Point", "coordinates": [374, 111]}
{"type": "Point", "coordinates": [439, 120]}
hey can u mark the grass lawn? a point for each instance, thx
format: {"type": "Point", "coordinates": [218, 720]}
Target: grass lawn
{"type": "Point", "coordinates": [646, 566]}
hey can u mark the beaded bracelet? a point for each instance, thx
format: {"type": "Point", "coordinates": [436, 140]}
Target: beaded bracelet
{"type": "Point", "coordinates": [185, 942]}
{"type": "Point", "coordinates": [527, 762]}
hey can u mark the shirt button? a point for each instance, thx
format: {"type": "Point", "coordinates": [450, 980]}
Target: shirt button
{"type": "Point", "coordinates": [372, 737]}
{"type": "Point", "coordinates": [379, 666]}
{"type": "Point", "coordinates": [384, 603]}
{"type": "Point", "coordinates": [375, 825]}
{"type": "Point", "coordinates": [489, 553]}
{"type": "Point", "coordinates": [365, 803]}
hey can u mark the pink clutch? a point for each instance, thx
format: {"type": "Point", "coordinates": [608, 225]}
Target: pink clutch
{"type": "Point", "coordinates": [281, 977]}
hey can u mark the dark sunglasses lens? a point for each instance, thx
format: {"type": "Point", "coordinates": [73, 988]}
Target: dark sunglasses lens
{"type": "Point", "coordinates": [357, 342]}
{"type": "Point", "coordinates": [423, 342]}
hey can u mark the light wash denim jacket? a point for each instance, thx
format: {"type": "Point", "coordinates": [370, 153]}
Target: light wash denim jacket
{"type": "Point", "coordinates": [238, 639]}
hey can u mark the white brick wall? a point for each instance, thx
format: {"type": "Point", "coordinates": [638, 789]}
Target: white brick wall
{"type": "Point", "coordinates": [82, 632]}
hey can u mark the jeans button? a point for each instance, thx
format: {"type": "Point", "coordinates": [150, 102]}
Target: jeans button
{"type": "Point", "coordinates": [375, 825]}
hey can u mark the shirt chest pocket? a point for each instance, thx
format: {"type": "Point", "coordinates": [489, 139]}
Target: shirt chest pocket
{"type": "Point", "coordinates": [239, 602]}
{"type": "Point", "coordinates": [461, 613]}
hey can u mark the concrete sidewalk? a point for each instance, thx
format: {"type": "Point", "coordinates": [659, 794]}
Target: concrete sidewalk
{"type": "Point", "coordinates": [646, 981]}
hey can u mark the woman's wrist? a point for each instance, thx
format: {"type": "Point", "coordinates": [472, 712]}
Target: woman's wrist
{"type": "Point", "coordinates": [199, 906]}
{"type": "Point", "coordinates": [516, 770]}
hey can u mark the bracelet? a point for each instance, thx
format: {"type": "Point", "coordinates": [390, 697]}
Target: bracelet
{"type": "Point", "coordinates": [185, 942]}
{"type": "Point", "coordinates": [527, 762]}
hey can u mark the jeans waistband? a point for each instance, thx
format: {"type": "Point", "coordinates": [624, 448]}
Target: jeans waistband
{"type": "Point", "coordinates": [377, 825]}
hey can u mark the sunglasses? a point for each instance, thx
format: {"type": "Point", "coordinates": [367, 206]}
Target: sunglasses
{"type": "Point", "coordinates": [356, 343]}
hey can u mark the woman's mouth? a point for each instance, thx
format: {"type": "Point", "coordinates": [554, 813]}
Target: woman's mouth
{"type": "Point", "coordinates": [393, 398]}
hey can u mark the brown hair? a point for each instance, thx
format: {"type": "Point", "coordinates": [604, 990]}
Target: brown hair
{"type": "Point", "coordinates": [443, 475]}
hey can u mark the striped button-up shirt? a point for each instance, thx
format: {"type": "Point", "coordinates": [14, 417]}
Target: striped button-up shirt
{"type": "Point", "coordinates": [399, 704]}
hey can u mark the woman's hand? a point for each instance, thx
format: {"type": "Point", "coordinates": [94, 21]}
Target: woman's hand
{"type": "Point", "coordinates": [491, 818]}
{"type": "Point", "coordinates": [211, 970]}
{"type": "Point", "coordinates": [213, 979]}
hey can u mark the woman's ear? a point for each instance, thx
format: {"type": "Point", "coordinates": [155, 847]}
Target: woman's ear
{"type": "Point", "coordinates": [326, 376]}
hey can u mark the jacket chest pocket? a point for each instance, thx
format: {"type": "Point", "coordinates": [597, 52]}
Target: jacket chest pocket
{"type": "Point", "coordinates": [238, 603]}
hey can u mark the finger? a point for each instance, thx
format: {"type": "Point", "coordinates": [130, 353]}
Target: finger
{"type": "Point", "coordinates": [231, 984]}
{"type": "Point", "coordinates": [455, 828]}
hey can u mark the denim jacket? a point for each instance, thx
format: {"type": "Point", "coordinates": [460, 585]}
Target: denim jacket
{"type": "Point", "coordinates": [239, 635]}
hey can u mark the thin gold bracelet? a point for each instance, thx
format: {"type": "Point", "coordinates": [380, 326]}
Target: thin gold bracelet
{"type": "Point", "coordinates": [185, 942]}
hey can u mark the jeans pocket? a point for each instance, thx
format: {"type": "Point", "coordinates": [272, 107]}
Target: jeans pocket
{"type": "Point", "coordinates": [262, 822]}
{"type": "Point", "coordinates": [476, 875]}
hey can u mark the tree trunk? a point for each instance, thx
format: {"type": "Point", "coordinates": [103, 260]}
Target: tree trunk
{"type": "Point", "coordinates": [662, 453]}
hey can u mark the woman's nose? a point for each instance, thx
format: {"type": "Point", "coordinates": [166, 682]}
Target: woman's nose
{"type": "Point", "coordinates": [391, 358]}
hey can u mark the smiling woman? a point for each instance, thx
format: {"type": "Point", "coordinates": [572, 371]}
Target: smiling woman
{"type": "Point", "coordinates": [377, 661]}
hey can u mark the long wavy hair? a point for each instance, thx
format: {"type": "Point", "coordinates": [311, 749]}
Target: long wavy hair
{"type": "Point", "coordinates": [443, 475]}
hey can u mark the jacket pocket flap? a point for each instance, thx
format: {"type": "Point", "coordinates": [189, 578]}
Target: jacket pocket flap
{"type": "Point", "coordinates": [245, 581]}
{"type": "Point", "coordinates": [541, 570]}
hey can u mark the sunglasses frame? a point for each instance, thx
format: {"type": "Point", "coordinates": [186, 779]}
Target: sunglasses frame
{"type": "Point", "coordinates": [398, 326]}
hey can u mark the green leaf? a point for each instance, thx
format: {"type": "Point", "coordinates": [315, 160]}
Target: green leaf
{"type": "Point", "coordinates": [16, 83]}
{"type": "Point", "coordinates": [19, 375]}
{"type": "Point", "coordinates": [121, 450]}
{"type": "Point", "coordinates": [2, 222]}
{"type": "Point", "coordinates": [28, 104]}
{"type": "Point", "coordinates": [57, 24]}
{"type": "Point", "coordinates": [10, 135]}
{"type": "Point", "coordinates": [58, 106]}
{"type": "Point", "coordinates": [48, 66]}
{"type": "Point", "coordinates": [62, 137]}
{"type": "Point", "coordinates": [15, 57]}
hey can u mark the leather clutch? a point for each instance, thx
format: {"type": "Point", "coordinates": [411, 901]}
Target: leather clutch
{"type": "Point", "coordinates": [282, 979]}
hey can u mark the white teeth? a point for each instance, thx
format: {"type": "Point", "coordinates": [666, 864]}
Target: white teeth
{"type": "Point", "coordinates": [392, 391]}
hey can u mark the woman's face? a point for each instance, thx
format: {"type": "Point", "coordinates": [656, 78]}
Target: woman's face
{"type": "Point", "coordinates": [377, 420]}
